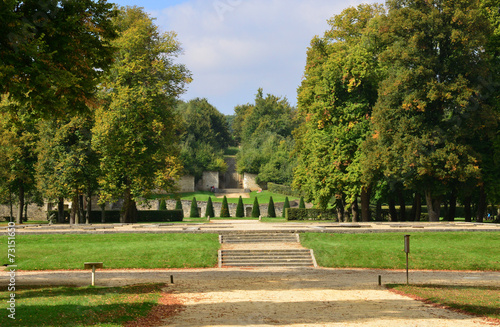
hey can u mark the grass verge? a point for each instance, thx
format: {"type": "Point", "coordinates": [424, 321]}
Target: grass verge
{"type": "Point", "coordinates": [477, 300]}
{"type": "Point", "coordinates": [435, 251]}
{"type": "Point", "coordinates": [49, 252]}
{"type": "Point", "coordinates": [79, 306]}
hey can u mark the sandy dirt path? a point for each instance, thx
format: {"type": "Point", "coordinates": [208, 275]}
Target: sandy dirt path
{"type": "Point", "coordinates": [286, 297]}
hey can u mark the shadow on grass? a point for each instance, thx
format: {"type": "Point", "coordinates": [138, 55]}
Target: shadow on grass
{"type": "Point", "coordinates": [475, 300]}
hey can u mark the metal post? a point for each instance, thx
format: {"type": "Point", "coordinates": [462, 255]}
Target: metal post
{"type": "Point", "coordinates": [93, 275]}
{"type": "Point", "coordinates": [407, 251]}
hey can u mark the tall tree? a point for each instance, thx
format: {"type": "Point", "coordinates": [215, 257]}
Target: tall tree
{"type": "Point", "coordinates": [205, 136]}
{"type": "Point", "coordinates": [53, 52]}
{"type": "Point", "coordinates": [135, 132]}
{"type": "Point", "coordinates": [336, 98]}
{"type": "Point", "coordinates": [264, 130]}
{"type": "Point", "coordinates": [67, 165]}
{"type": "Point", "coordinates": [18, 137]}
{"type": "Point", "coordinates": [429, 105]}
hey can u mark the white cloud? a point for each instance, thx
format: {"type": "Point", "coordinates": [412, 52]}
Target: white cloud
{"type": "Point", "coordinates": [234, 47]}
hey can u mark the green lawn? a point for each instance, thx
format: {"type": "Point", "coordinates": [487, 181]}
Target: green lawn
{"type": "Point", "coordinates": [439, 251]}
{"type": "Point", "coordinates": [39, 252]}
{"type": "Point", "coordinates": [477, 300]}
{"type": "Point", "coordinates": [80, 306]}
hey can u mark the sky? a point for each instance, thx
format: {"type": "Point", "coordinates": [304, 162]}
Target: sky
{"type": "Point", "coordinates": [235, 47]}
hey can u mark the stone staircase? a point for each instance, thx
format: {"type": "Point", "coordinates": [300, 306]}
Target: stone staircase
{"type": "Point", "coordinates": [264, 250]}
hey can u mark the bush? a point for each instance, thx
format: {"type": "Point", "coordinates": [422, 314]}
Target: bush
{"type": "Point", "coordinates": [113, 216]}
{"type": "Point", "coordinates": [302, 205]}
{"type": "Point", "coordinates": [240, 211]}
{"type": "Point", "coordinates": [224, 211]}
{"type": "Point", "coordinates": [270, 208]}
{"type": "Point", "coordinates": [286, 205]}
{"type": "Point", "coordinates": [210, 208]}
{"type": "Point", "coordinates": [256, 209]}
{"type": "Point", "coordinates": [178, 206]}
{"type": "Point", "coordinates": [310, 214]}
{"type": "Point", "coordinates": [194, 213]}
{"type": "Point", "coordinates": [163, 204]}
{"type": "Point", "coordinates": [282, 189]}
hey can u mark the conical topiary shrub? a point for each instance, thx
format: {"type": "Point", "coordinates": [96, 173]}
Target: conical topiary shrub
{"type": "Point", "coordinates": [240, 211]}
{"type": "Point", "coordinates": [270, 208]}
{"type": "Point", "coordinates": [163, 204]}
{"type": "Point", "coordinates": [210, 208]}
{"type": "Point", "coordinates": [224, 211]}
{"type": "Point", "coordinates": [178, 206]}
{"type": "Point", "coordinates": [255, 209]}
{"type": "Point", "coordinates": [286, 205]}
{"type": "Point", "coordinates": [193, 213]}
{"type": "Point", "coordinates": [302, 205]}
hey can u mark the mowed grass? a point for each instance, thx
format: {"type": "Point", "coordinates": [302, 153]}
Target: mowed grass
{"type": "Point", "coordinates": [81, 306]}
{"type": "Point", "coordinates": [435, 251]}
{"type": "Point", "coordinates": [477, 300]}
{"type": "Point", "coordinates": [48, 252]}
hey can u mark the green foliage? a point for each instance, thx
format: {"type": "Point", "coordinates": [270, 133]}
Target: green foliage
{"type": "Point", "coordinates": [178, 206]}
{"type": "Point", "coordinates": [240, 210]}
{"type": "Point", "coordinates": [135, 130]}
{"type": "Point", "coordinates": [224, 211]}
{"type": "Point", "coordinates": [206, 136]}
{"type": "Point", "coordinates": [286, 205]}
{"type": "Point", "coordinates": [71, 43]}
{"type": "Point", "coordinates": [194, 213]}
{"type": "Point", "coordinates": [271, 212]}
{"type": "Point", "coordinates": [210, 208]}
{"type": "Point", "coordinates": [310, 214]}
{"type": "Point", "coordinates": [302, 205]}
{"type": "Point", "coordinates": [255, 208]}
{"type": "Point", "coordinates": [163, 204]}
{"type": "Point", "coordinates": [264, 130]}
{"type": "Point", "coordinates": [336, 98]}
{"type": "Point", "coordinates": [282, 189]}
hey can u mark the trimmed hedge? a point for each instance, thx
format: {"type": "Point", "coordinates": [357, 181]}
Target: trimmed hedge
{"type": "Point", "coordinates": [113, 216]}
{"type": "Point", "coordinates": [282, 189]}
{"type": "Point", "coordinates": [310, 214]}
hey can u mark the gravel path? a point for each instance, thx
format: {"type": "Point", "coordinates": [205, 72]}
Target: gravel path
{"type": "Point", "coordinates": [285, 297]}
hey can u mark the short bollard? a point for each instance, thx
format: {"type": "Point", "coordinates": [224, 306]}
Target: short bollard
{"type": "Point", "coordinates": [93, 266]}
{"type": "Point", "coordinates": [379, 280]}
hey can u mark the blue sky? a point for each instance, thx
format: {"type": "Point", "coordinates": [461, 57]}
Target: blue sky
{"type": "Point", "coordinates": [233, 47]}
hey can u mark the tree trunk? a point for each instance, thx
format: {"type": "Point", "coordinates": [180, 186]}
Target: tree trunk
{"type": "Point", "coordinates": [393, 214]}
{"type": "Point", "coordinates": [103, 213]}
{"type": "Point", "coordinates": [340, 210]}
{"type": "Point", "coordinates": [416, 208]}
{"type": "Point", "coordinates": [129, 211]}
{"type": "Point", "coordinates": [365, 204]}
{"type": "Point", "coordinates": [74, 209]}
{"type": "Point", "coordinates": [11, 204]}
{"type": "Point", "coordinates": [89, 207]}
{"type": "Point", "coordinates": [378, 211]}
{"type": "Point", "coordinates": [81, 212]}
{"type": "Point", "coordinates": [481, 206]}
{"type": "Point", "coordinates": [452, 209]}
{"type": "Point", "coordinates": [19, 219]}
{"type": "Point", "coordinates": [402, 204]}
{"type": "Point", "coordinates": [60, 210]}
{"type": "Point", "coordinates": [467, 209]}
{"type": "Point", "coordinates": [355, 210]}
{"type": "Point", "coordinates": [433, 206]}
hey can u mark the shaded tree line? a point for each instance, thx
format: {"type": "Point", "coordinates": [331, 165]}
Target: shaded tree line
{"type": "Point", "coordinates": [400, 105]}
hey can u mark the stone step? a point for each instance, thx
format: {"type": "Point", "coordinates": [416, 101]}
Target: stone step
{"type": "Point", "coordinates": [259, 238]}
{"type": "Point", "coordinates": [266, 258]}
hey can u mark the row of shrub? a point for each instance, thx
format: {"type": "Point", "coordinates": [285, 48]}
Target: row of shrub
{"type": "Point", "coordinates": [144, 216]}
